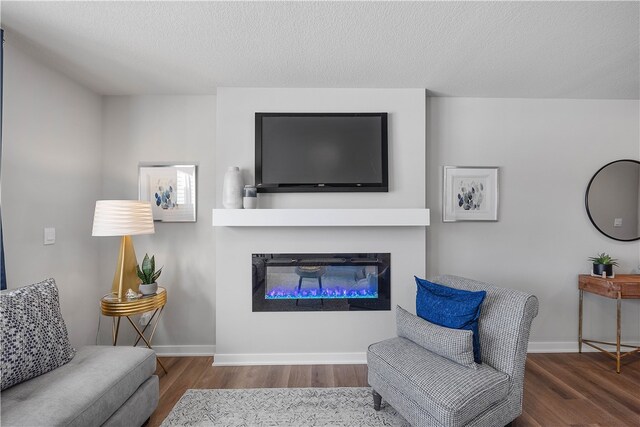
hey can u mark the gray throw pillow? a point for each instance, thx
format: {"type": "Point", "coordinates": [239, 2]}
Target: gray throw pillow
{"type": "Point", "coordinates": [34, 336]}
{"type": "Point", "coordinates": [453, 344]}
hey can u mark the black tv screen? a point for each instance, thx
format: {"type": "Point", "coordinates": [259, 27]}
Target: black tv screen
{"type": "Point", "coordinates": [302, 152]}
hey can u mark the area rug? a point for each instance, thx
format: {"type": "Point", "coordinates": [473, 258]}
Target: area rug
{"type": "Point", "coordinates": [345, 406]}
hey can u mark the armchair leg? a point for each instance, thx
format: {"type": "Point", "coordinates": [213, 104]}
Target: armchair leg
{"type": "Point", "coordinates": [377, 400]}
{"type": "Point", "coordinates": [510, 424]}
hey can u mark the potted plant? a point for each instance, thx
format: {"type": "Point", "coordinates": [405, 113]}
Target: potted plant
{"type": "Point", "coordinates": [603, 263]}
{"type": "Point", "coordinates": [148, 275]}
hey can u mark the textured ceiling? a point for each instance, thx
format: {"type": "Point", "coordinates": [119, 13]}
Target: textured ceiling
{"type": "Point", "coordinates": [484, 49]}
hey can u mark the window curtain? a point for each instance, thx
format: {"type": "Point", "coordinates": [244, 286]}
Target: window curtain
{"type": "Point", "coordinates": [3, 276]}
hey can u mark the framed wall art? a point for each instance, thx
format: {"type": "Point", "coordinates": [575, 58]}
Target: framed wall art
{"type": "Point", "coordinates": [171, 189]}
{"type": "Point", "coordinates": [470, 194]}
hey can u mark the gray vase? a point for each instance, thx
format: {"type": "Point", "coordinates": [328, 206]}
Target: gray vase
{"type": "Point", "coordinates": [148, 289]}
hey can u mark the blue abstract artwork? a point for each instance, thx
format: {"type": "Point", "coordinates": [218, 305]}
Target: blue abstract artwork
{"type": "Point", "coordinates": [165, 197]}
{"type": "Point", "coordinates": [470, 195]}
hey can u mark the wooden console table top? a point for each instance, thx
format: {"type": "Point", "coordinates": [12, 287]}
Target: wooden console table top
{"type": "Point", "coordinates": [627, 284]}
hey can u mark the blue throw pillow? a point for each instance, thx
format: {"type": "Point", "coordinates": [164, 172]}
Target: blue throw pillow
{"type": "Point", "coordinates": [450, 307]}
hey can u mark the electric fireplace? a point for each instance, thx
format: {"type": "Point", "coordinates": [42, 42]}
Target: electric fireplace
{"type": "Point", "coordinates": [321, 282]}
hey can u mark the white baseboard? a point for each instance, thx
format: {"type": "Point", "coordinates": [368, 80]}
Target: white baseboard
{"type": "Point", "coordinates": [357, 358]}
{"type": "Point", "coordinates": [328, 358]}
{"type": "Point", "coordinates": [555, 347]}
{"type": "Point", "coordinates": [184, 350]}
{"type": "Point", "coordinates": [289, 359]}
{"type": "Point", "coordinates": [567, 346]}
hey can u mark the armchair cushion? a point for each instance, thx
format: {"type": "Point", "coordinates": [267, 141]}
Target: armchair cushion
{"type": "Point", "coordinates": [452, 308]}
{"type": "Point", "coordinates": [34, 335]}
{"type": "Point", "coordinates": [450, 393]}
{"type": "Point", "coordinates": [454, 344]}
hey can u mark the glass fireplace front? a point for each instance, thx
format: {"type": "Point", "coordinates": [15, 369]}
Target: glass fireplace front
{"type": "Point", "coordinates": [321, 282]}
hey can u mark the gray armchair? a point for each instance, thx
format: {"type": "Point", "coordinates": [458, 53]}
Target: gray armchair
{"type": "Point", "coordinates": [431, 390]}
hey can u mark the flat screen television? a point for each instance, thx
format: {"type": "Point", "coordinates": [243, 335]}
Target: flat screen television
{"type": "Point", "coordinates": [306, 152]}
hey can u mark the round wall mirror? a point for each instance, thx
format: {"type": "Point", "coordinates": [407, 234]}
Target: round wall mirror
{"type": "Point", "coordinates": [613, 200]}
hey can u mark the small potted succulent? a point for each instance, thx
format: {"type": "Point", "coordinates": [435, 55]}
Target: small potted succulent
{"type": "Point", "coordinates": [603, 263]}
{"type": "Point", "coordinates": [148, 275]}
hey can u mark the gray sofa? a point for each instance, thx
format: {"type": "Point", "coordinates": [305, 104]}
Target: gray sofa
{"type": "Point", "coordinates": [99, 385]}
{"type": "Point", "coordinates": [431, 390]}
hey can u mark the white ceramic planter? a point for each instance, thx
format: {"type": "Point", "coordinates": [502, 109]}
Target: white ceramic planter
{"type": "Point", "coordinates": [148, 289]}
{"type": "Point", "coordinates": [232, 188]}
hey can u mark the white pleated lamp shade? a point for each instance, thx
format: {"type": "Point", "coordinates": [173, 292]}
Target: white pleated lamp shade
{"type": "Point", "coordinates": [122, 218]}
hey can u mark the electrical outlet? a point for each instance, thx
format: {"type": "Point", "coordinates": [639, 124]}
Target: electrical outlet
{"type": "Point", "coordinates": [49, 235]}
{"type": "Point", "coordinates": [617, 222]}
{"type": "Point", "coordinates": [145, 318]}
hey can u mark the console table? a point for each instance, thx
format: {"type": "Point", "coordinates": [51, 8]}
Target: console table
{"type": "Point", "coordinates": [623, 286]}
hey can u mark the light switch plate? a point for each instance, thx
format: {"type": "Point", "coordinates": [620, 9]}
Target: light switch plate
{"type": "Point", "coordinates": [49, 235]}
{"type": "Point", "coordinates": [617, 222]}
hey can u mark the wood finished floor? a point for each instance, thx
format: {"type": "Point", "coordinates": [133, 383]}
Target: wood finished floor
{"type": "Point", "coordinates": [560, 389]}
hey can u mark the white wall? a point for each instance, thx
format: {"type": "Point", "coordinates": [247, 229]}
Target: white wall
{"type": "Point", "coordinates": [547, 151]}
{"type": "Point", "coordinates": [166, 129]}
{"type": "Point", "coordinates": [51, 178]}
{"type": "Point", "coordinates": [236, 140]}
{"type": "Point", "coordinates": [64, 148]}
{"type": "Point", "coordinates": [298, 337]}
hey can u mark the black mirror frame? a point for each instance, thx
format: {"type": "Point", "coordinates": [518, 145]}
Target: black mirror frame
{"type": "Point", "coordinates": [586, 200]}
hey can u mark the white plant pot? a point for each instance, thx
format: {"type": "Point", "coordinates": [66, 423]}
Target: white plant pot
{"type": "Point", "coordinates": [148, 289]}
{"type": "Point", "coordinates": [232, 188]}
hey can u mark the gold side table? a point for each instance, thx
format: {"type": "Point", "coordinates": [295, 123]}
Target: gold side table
{"type": "Point", "coordinates": [623, 286]}
{"type": "Point", "coordinates": [117, 308]}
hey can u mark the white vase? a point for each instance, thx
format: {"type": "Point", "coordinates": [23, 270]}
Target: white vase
{"type": "Point", "coordinates": [232, 188]}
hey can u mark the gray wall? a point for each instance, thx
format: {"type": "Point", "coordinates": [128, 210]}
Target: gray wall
{"type": "Point", "coordinates": [547, 151]}
{"type": "Point", "coordinates": [167, 129]}
{"type": "Point", "coordinates": [51, 178]}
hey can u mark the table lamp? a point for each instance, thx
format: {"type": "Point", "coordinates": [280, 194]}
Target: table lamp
{"type": "Point", "coordinates": [123, 218]}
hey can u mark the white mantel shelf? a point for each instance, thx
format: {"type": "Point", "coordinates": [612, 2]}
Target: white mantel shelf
{"type": "Point", "coordinates": [320, 217]}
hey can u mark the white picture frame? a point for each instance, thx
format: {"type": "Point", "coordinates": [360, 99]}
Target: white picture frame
{"type": "Point", "coordinates": [171, 190]}
{"type": "Point", "coordinates": [470, 193]}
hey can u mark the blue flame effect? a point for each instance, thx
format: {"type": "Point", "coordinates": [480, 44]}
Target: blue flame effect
{"type": "Point", "coordinates": [330, 293]}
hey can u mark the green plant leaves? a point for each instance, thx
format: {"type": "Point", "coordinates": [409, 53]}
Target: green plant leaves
{"type": "Point", "coordinates": [604, 259]}
{"type": "Point", "coordinates": [156, 275]}
{"type": "Point", "coordinates": [140, 274]}
{"type": "Point", "coordinates": [147, 270]}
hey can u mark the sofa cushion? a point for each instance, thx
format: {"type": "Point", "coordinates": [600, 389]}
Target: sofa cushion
{"type": "Point", "coordinates": [452, 308]}
{"type": "Point", "coordinates": [85, 391]}
{"type": "Point", "coordinates": [139, 407]}
{"type": "Point", "coordinates": [454, 344]}
{"type": "Point", "coordinates": [34, 335]}
{"type": "Point", "coordinates": [449, 392]}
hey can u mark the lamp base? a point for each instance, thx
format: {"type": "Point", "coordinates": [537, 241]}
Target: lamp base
{"type": "Point", "coordinates": [126, 276]}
